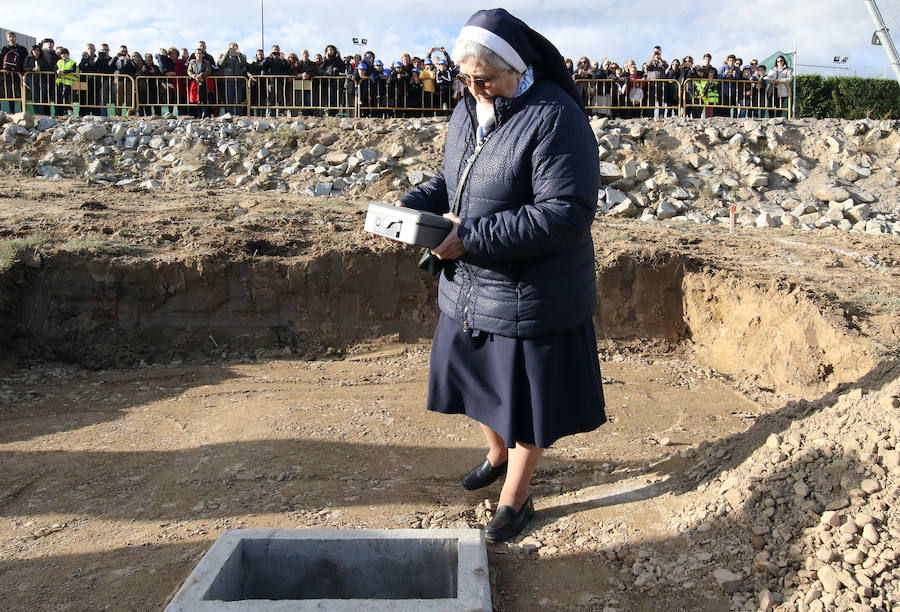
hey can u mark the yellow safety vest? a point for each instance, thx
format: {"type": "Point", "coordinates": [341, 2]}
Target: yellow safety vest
{"type": "Point", "coordinates": [712, 93]}
{"type": "Point", "coordinates": [69, 78]}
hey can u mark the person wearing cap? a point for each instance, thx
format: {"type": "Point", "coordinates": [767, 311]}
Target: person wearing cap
{"type": "Point", "coordinates": [443, 80]}
{"type": "Point", "coordinates": [399, 87]}
{"type": "Point", "coordinates": [745, 91]}
{"type": "Point", "coordinates": [514, 347]}
{"type": "Point", "coordinates": [365, 89]}
{"type": "Point", "coordinates": [379, 89]}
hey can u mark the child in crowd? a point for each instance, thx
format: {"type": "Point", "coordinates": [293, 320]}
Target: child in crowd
{"type": "Point", "coordinates": [67, 75]}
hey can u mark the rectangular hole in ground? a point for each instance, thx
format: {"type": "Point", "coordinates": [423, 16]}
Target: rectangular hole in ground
{"type": "Point", "coordinates": [338, 569]}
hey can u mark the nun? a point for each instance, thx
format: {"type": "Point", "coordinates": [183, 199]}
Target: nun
{"type": "Point", "coordinates": [514, 347]}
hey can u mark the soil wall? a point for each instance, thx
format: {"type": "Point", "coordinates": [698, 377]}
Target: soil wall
{"type": "Point", "coordinates": [115, 312]}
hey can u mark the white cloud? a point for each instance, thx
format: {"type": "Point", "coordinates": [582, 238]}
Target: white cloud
{"type": "Point", "coordinates": [621, 31]}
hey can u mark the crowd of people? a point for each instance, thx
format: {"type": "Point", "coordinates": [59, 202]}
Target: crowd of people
{"type": "Point", "coordinates": [199, 84]}
{"type": "Point", "coordinates": [733, 89]}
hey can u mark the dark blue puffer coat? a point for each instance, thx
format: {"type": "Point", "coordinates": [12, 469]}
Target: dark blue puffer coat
{"type": "Point", "coordinates": [526, 211]}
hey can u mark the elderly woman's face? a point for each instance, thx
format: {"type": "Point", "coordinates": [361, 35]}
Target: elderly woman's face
{"type": "Point", "coordinates": [486, 82]}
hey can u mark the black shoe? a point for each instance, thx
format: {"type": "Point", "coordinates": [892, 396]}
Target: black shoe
{"type": "Point", "coordinates": [483, 475]}
{"type": "Point", "coordinates": [507, 523]}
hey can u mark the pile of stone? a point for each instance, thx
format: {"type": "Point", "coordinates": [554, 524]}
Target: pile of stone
{"type": "Point", "coordinates": [771, 171]}
{"type": "Point", "coordinates": [802, 174]}
{"type": "Point", "coordinates": [809, 520]}
{"type": "Point", "coordinates": [255, 154]}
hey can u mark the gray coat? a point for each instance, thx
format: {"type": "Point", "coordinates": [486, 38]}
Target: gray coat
{"type": "Point", "coordinates": [526, 211]}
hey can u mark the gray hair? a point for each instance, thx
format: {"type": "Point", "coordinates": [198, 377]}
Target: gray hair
{"type": "Point", "coordinates": [465, 49]}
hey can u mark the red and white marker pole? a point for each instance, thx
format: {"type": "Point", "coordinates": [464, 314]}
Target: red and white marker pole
{"type": "Point", "coordinates": [731, 219]}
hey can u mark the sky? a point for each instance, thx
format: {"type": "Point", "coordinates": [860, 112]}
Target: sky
{"type": "Point", "coordinates": [821, 29]}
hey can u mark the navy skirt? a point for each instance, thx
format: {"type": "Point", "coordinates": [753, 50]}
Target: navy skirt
{"type": "Point", "coordinates": [532, 390]}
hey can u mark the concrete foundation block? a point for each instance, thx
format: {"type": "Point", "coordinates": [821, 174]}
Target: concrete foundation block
{"type": "Point", "coordinates": [308, 569]}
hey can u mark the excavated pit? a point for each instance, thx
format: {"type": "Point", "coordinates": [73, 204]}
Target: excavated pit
{"type": "Point", "coordinates": [115, 312]}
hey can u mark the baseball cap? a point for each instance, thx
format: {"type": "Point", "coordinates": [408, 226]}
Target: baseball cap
{"type": "Point", "coordinates": [414, 70]}
{"type": "Point", "coordinates": [362, 66]}
{"type": "Point", "coordinates": [746, 67]}
{"type": "Point", "coordinates": [428, 62]}
{"type": "Point", "coordinates": [442, 61]}
{"type": "Point", "coordinates": [398, 64]}
{"type": "Point", "coordinates": [386, 72]}
{"type": "Point", "coordinates": [378, 62]}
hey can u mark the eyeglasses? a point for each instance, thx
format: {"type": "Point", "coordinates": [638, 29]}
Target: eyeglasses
{"type": "Point", "coordinates": [481, 82]}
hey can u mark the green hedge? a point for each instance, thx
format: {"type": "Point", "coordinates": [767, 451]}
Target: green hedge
{"type": "Point", "coordinates": [847, 97]}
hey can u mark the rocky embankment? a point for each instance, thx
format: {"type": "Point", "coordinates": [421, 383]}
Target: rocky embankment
{"type": "Point", "coordinates": [806, 174]}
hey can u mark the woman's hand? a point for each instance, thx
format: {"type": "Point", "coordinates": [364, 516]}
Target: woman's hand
{"type": "Point", "coordinates": [452, 247]}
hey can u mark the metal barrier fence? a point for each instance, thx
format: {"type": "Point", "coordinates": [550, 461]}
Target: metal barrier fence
{"type": "Point", "coordinates": [183, 95]}
{"type": "Point", "coordinates": [10, 88]}
{"type": "Point", "coordinates": [639, 98]}
{"type": "Point", "coordinates": [286, 95]}
{"type": "Point", "coordinates": [392, 98]}
{"type": "Point", "coordinates": [89, 93]}
{"type": "Point", "coordinates": [736, 98]}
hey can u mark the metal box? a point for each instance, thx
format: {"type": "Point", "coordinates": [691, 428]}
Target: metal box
{"type": "Point", "coordinates": [407, 225]}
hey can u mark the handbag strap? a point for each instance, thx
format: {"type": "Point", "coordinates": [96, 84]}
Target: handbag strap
{"type": "Point", "coordinates": [457, 197]}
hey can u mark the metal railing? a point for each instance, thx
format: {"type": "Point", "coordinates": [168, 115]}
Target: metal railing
{"type": "Point", "coordinates": [623, 99]}
{"type": "Point", "coordinates": [90, 93]}
{"type": "Point", "coordinates": [396, 98]}
{"type": "Point", "coordinates": [736, 98]}
{"type": "Point", "coordinates": [10, 87]}
{"type": "Point", "coordinates": [288, 95]}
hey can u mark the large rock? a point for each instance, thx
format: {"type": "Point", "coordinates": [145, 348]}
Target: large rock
{"type": "Point", "coordinates": [367, 155]}
{"type": "Point", "coordinates": [830, 192]}
{"type": "Point", "coordinates": [729, 581]}
{"type": "Point", "coordinates": [336, 158]}
{"type": "Point", "coordinates": [46, 123]}
{"type": "Point", "coordinates": [858, 213]}
{"type": "Point", "coordinates": [666, 210]}
{"type": "Point", "coordinates": [48, 172]}
{"type": "Point", "coordinates": [625, 209]}
{"type": "Point", "coordinates": [397, 150]}
{"type": "Point", "coordinates": [92, 131]}
{"type": "Point", "coordinates": [25, 119]}
{"type": "Point", "coordinates": [609, 173]}
{"type": "Point", "coordinates": [614, 197]}
{"type": "Point", "coordinates": [848, 174]}
{"type": "Point", "coordinates": [766, 220]}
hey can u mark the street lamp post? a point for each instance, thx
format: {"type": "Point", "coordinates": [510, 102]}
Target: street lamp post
{"type": "Point", "coordinates": [262, 27]}
{"type": "Point", "coordinates": [840, 61]}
